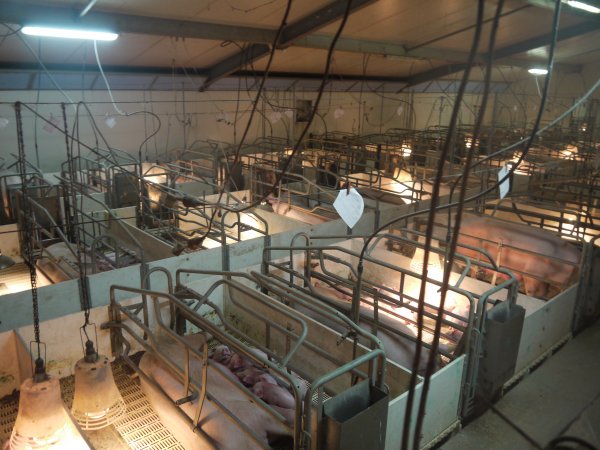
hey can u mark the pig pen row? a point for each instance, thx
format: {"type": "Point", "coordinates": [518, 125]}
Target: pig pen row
{"type": "Point", "coordinates": [546, 323]}
{"type": "Point", "coordinates": [478, 317]}
{"type": "Point", "coordinates": [216, 385]}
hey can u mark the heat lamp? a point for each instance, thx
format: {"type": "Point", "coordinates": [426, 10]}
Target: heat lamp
{"type": "Point", "coordinates": [97, 402]}
{"type": "Point", "coordinates": [42, 421]}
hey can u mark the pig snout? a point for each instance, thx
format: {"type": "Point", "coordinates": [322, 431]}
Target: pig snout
{"type": "Point", "coordinates": [221, 354]}
{"type": "Point", "coordinates": [274, 394]}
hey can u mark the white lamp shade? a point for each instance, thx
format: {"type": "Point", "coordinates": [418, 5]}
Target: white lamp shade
{"type": "Point", "coordinates": [97, 402]}
{"type": "Point", "coordinates": [42, 421]}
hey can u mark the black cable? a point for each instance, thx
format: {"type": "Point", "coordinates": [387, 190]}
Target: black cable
{"type": "Point", "coordinates": [313, 113]}
{"type": "Point", "coordinates": [429, 229]}
{"type": "Point", "coordinates": [553, 122]}
{"type": "Point", "coordinates": [10, 33]}
{"type": "Point", "coordinates": [435, 207]}
{"type": "Point", "coordinates": [536, 127]}
{"type": "Point", "coordinates": [236, 158]}
{"type": "Point", "coordinates": [556, 443]}
{"type": "Point", "coordinates": [454, 240]}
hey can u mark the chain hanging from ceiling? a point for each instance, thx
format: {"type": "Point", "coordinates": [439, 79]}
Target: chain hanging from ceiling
{"type": "Point", "coordinates": [27, 237]}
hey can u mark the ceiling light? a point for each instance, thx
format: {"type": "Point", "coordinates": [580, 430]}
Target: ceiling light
{"type": "Point", "coordinates": [583, 6]}
{"type": "Point", "coordinates": [70, 33]}
{"type": "Point", "coordinates": [537, 71]}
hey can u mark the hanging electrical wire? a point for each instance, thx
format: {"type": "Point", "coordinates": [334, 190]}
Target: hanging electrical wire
{"type": "Point", "coordinates": [236, 157]}
{"type": "Point", "coordinates": [429, 228]}
{"type": "Point", "coordinates": [456, 227]}
{"type": "Point", "coordinates": [290, 157]}
{"type": "Point", "coordinates": [435, 207]}
{"type": "Point", "coordinates": [39, 60]}
{"type": "Point", "coordinates": [117, 109]}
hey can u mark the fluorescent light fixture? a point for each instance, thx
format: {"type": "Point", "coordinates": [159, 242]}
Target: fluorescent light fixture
{"type": "Point", "coordinates": [70, 33]}
{"type": "Point", "coordinates": [583, 6]}
{"type": "Point", "coordinates": [537, 71]}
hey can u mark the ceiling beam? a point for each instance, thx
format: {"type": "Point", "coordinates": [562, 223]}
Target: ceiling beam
{"type": "Point", "coordinates": [302, 27]}
{"type": "Point", "coordinates": [319, 76]}
{"type": "Point", "coordinates": [188, 72]}
{"type": "Point", "coordinates": [506, 52]}
{"type": "Point", "coordinates": [400, 51]}
{"type": "Point", "coordinates": [22, 13]}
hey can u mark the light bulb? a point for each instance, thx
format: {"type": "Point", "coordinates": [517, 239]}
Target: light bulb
{"type": "Point", "coordinates": [583, 6]}
{"type": "Point", "coordinates": [69, 33]}
{"type": "Point", "coordinates": [537, 71]}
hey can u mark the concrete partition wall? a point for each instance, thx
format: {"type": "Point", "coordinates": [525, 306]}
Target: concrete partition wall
{"type": "Point", "coordinates": [154, 248]}
{"type": "Point", "coordinates": [63, 346]}
{"type": "Point", "coordinates": [54, 301]}
{"type": "Point", "coordinates": [127, 214]}
{"type": "Point", "coordinates": [547, 323]}
{"type": "Point", "coordinates": [87, 204]}
{"type": "Point", "coordinates": [279, 223]}
{"type": "Point", "coordinates": [210, 259]}
{"type": "Point", "coordinates": [441, 407]}
{"type": "Point", "coordinates": [10, 241]}
{"type": "Point", "coordinates": [196, 188]}
{"type": "Point", "coordinates": [243, 254]}
{"type": "Point", "coordinates": [13, 368]}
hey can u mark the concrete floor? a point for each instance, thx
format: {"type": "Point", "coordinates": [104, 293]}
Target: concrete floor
{"type": "Point", "coordinates": [561, 397]}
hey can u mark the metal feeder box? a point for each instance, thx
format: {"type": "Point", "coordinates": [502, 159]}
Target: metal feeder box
{"type": "Point", "coordinates": [356, 418]}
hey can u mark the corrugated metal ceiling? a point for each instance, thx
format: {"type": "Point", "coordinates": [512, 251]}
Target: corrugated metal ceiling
{"type": "Point", "coordinates": [388, 41]}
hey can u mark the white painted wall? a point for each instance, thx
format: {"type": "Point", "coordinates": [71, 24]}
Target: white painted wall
{"type": "Point", "coordinates": [9, 242]}
{"type": "Point", "coordinates": [519, 106]}
{"type": "Point", "coordinates": [218, 116]}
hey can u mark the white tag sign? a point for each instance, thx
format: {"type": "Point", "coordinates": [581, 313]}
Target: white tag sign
{"type": "Point", "coordinates": [505, 185]}
{"type": "Point", "coordinates": [349, 205]}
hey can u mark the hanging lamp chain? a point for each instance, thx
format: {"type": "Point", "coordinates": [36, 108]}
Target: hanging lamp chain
{"type": "Point", "coordinates": [72, 194]}
{"type": "Point", "coordinates": [28, 227]}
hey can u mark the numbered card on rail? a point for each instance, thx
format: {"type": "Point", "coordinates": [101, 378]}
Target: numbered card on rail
{"type": "Point", "coordinates": [349, 205]}
{"type": "Point", "coordinates": [504, 185]}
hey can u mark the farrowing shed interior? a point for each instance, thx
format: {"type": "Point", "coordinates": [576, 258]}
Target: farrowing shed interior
{"type": "Point", "coordinates": [316, 224]}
